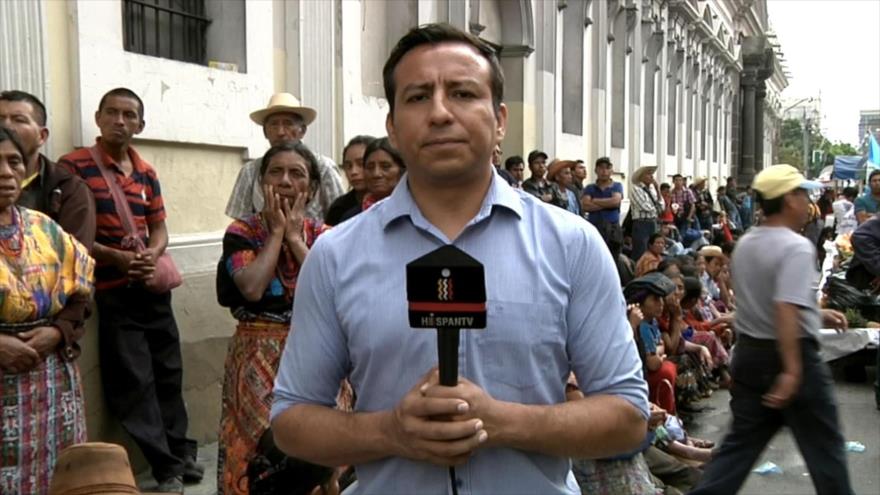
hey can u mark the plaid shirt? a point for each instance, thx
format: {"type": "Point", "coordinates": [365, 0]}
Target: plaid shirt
{"type": "Point", "coordinates": [247, 194]}
{"type": "Point", "coordinates": [683, 198]}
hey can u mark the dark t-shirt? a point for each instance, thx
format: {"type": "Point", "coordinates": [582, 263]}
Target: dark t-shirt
{"type": "Point", "coordinates": [605, 215]}
{"type": "Point", "coordinates": [336, 213]}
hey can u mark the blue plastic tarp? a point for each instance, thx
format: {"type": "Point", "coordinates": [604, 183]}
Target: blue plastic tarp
{"type": "Point", "coordinates": [849, 167]}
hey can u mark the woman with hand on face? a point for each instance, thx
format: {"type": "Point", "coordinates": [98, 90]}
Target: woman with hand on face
{"type": "Point", "coordinates": [256, 279]}
{"type": "Point", "coordinates": [353, 166]}
{"type": "Point", "coordinates": [46, 280]}
{"type": "Point", "coordinates": [693, 361]}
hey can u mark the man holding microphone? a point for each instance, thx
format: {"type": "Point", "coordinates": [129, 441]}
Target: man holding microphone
{"type": "Point", "coordinates": [506, 425]}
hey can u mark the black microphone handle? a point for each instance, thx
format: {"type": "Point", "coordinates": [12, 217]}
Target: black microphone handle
{"type": "Point", "coordinates": [447, 349]}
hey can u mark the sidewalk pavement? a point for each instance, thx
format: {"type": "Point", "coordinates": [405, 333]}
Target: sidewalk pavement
{"type": "Point", "coordinates": [858, 414]}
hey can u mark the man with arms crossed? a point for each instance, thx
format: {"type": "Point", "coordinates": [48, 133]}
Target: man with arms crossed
{"type": "Point", "coordinates": [506, 424]}
{"type": "Point", "coordinates": [779, 377]}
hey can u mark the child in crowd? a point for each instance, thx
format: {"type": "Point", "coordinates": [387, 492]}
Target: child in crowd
{"type": "Point", "coordinates": [646, 295]}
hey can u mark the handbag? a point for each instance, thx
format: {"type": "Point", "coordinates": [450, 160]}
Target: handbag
{"type": "Point", "coordinates": [166, 276]}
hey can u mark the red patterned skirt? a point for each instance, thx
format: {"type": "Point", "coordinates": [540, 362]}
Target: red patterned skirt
{"type": "Point", "coordinates": [251, 365]}
{"type": "Point", "coordinates": [42, 414]}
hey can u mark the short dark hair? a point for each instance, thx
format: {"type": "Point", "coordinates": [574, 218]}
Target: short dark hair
{"type": "Point", "coordinates": [535, 154]}
{"type": "Point", "coordinates": [362, 139]}
{"type": "Point", "coordinates": [301, 150]}
{"type": "Point", "coordinates": [7, 134]}
{"type": "Point", "coordinates": [603, 161]}
{"type": "Point", "coordinates": [123, 93]}
{"type": "Point", "coordinates": [383, 144]}
{"type": "Point", "coordinates": [677, 176]}
{"type": "Point", "coordinates": [665, 185]}
{"type": "Point", "coordinates": [39, 112]}
{"type": "Point", "coordinates": [770, 206]}
{"type": "Point", "coordinates": [654, 237]}
{"type": "Point", "coordinates": [727, 248]}
{"type": "Point", "coordinates": [873, 173]}
{"type": "Point", "coordinates": [435, 34]}
{"type": "Point", "coordinates": [512, 161]}
{"type": "Point", "coordinates": [666, 264]}
{"type": "Point", "coordinates": [693, 290]}
{"type": "Point", "coordinates": [850, 192]}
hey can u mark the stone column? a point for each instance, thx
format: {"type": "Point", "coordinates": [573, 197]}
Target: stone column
{"type": "Point", "coordinates": [747, 167]}
{"type": "Point", "coordinates": [760, 93]}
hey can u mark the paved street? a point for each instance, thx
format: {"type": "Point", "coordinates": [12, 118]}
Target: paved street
{"type": "Point", "coordinates": [861, 423]}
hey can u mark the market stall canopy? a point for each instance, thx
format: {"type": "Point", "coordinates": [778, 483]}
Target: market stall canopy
{"type": "Point", "coordinates": [849, 167]}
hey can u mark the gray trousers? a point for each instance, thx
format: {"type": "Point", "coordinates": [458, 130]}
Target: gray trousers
{"type": "Point", "coordinates": [811, 417]}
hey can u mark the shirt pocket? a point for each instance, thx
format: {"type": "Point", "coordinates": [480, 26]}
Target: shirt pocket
{"type": "Point", "coordinates": [523, 350]}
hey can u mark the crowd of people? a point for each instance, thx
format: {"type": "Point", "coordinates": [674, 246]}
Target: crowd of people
{"type": "Point", "coordinates": [599, 345]}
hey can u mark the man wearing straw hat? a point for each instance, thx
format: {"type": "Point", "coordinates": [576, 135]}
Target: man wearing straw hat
{"type": "Point", "coordinates": [283, 120]}
{"type": "Point", "coordinates": [647, 204]}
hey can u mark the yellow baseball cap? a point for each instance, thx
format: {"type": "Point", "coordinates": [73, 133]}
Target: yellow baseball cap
{"type": "Point", "coordinates": [777, 180]}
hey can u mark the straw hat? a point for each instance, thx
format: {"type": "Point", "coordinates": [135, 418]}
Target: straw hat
{"type": "Point", "coordinates": [637, 175]}
{"type": "Point", "coordinates": [711, 251]}
{"type": "Point", "coordinates": [559, 165]}
{"type": "Point", "coordinates": [93, 468]}
{"type": "Point", "coordinates": [284, 102]}
{"type": "Point", "coordinates": [699, 180]}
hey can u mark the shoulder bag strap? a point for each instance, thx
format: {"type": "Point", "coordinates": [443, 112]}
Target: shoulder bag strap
{"type": "Point", "coordinates": [122, 206]}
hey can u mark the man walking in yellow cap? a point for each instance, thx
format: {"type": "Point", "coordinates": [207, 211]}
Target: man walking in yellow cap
{"type": "Point", "coordinates": [779, 377]}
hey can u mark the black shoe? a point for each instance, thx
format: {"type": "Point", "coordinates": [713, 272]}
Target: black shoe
{"type": "Point", "coordinates": [193, 472]}
{"type": "Point", "coordinates": [171, 485]}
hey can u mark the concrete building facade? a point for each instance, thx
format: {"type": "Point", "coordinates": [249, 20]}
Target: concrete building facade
{"type": "Point", "coordinates": [690, 86]}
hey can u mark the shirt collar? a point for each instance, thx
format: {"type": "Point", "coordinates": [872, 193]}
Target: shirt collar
{"type": "Point", "coordinates": [136, 161]}
{"type": "Point", "coordinates": [401, 202]}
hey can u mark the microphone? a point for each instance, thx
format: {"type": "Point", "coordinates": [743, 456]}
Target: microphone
{"type": "Point", "coordinates": [446, 290]}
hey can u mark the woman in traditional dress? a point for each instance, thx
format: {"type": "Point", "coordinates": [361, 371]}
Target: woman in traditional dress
{"type": "Point", "coordinates": [353, 166]}
{"type": "Point", "coordinates": [256, 279]}
{"type": "Point", "coordinates": [383, 169]}
{"type": "Point", "coordinates": [46, 280]}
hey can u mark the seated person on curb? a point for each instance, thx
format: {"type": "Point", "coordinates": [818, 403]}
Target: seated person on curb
{"type": "Point", "coordinates": [653, 256]}
{"type": "Point", "coordinates": [646, 295]}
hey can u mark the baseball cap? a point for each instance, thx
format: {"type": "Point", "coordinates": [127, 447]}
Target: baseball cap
{"type": "Point", "coordinates": [652, 283]}
{"type": "Point", "coordinates": [777, 180]}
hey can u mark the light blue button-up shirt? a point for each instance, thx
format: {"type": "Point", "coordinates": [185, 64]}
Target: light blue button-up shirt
{"type": "Point", "coordinates": [554, 306]}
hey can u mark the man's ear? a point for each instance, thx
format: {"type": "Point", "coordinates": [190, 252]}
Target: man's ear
{"type": "Point", "coordinates": [389, 129]}
{"type": "Point", "coordinates": [44, 135]}
{"type": "Point", "coordinates": [501, 126]}
{"type": "Point", "coordinates": [140, 128]}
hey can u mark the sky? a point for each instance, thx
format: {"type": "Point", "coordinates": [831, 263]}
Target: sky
{"type": "Point", "coordinates": [832, 48]}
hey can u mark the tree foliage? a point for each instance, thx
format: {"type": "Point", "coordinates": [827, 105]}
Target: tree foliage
{"type": "Point", "coordinates": [791, 146]}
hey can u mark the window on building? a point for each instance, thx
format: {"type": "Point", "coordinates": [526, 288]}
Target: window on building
{"type": "Point", "coordinates": [618, 81]}
{"type": "Point", "coordinates": [195, 31]}
{"type": "Point", "coordinates": [689, 129]}
{"type": "Point", "coordinates": [704, 127]}
{"type": "Point", "coordinates": [672, 114]}
{"type": "Point", "coordinates": [383, 23]}
{"type": "Point", "coordinates": [573, 68]}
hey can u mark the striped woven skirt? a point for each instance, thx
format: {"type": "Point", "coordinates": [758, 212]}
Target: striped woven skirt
{"type": "Point", "coordinates": [42, 413]}
{"type": "Point", "coordinates": [251, 364]}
